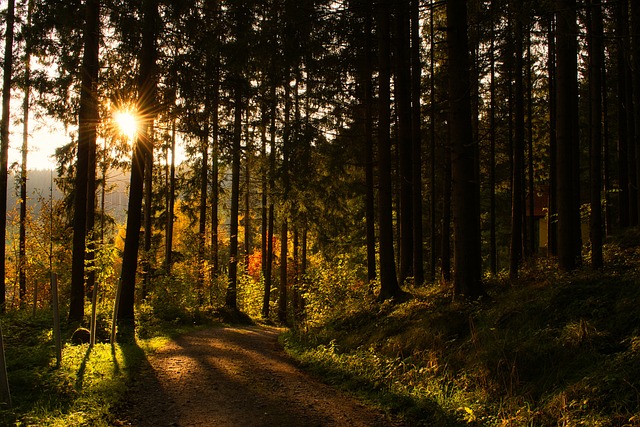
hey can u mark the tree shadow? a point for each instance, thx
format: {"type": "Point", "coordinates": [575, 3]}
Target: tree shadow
{"type": "Point", "coordinates": [142, 383]}
{"type": "Point", "coordinates": [82, 369]}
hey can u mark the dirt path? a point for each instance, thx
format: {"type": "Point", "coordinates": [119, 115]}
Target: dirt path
{"type": "Point", "coordinates": [237, 376]}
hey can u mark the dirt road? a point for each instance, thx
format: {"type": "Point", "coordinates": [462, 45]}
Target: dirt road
{"type": "Point", "coordinates": [237, 376]}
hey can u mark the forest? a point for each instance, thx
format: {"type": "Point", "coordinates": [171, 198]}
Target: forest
{"type": "Point", "coordinates": [437, 198]}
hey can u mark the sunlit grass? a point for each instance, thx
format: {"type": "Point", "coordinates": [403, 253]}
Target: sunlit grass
{"type": "Point", "coordinates": [552, 349]}
{"type": "Point", "coordinates": [87, 387]}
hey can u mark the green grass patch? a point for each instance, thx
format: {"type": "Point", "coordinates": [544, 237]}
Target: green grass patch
{"type": "Point", "coordinates": [90, 383]}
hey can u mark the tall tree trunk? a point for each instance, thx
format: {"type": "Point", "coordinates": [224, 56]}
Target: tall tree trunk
{"type": "Point", "coordinates": [531, 224]}
{"type": "Point", "coordinates": [215, 193]}
{"type": "Point", "coordinates": [142, 150]}
{"type": "Point", "coordinates": [204, 189]}
{"type": "Point", "coordinates": [403, 110]}
{"type": "Point", "coordinates": [635, 81]}
{"type": "Point", "coordinates": [517, 179]}
{"type": "Point", "coordinates": [567, 105]}
{"type": "Point", "coordinates": [369, 160]}
{"type": "Point", "coordinates": [148, 214]}
{"type": "Point", "coordinates": [432, 144]}
{"type": "Point", "coordinates": [171, 199]}
{"type": "Point", "coordinates": [264, 184]}
{"type": "Point", "coordinates": [22, 273]}
{"type": "Point", "coordinates": [416, 144]}
{"type": "Point", "coordinates": [466, 203]}
{"type": "Point", "coordinates": [596, 53]}
{"type": "Point", "coordinates": [606, 152]}
{"type": "Point", "coordinates": [389, 287]}
{"type": "Point", "coordinates": [445, 247]}
{"type": "Point", "coordinates": [87, 124]}
{"type": "Point", "coordinates": [231, 297]}
{"type": "Point", "coordinates": [622, 33]}
{"type": "Point", "coordinates": [284, 230]}
{"type": "Point", "coordinates": [248, 234]}
{"type": "Point", "coordinates": [552, 214]}
{"type": "Point", "coordinates": [270, 220]}
{"type": "Point", "coordinates": [493, 251]}
{"type": "Point", "coordinates": [4, 145]}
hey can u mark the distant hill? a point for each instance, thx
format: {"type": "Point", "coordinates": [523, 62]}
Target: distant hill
{"type": "Point", "coordinates": [39, 187]}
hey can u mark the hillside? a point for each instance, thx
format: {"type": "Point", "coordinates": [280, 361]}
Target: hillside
{"type": "Point", "coordinates": [552, 349]}
{"type": "Point", "coordinates": [39, 187]}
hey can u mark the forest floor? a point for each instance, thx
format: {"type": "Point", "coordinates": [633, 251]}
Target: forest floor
{"type": "Point", "coordinates": [236, 376]}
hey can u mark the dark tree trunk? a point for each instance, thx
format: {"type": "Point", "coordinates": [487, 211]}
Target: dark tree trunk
{"type": "Point", "coordinates": [269, 259]}
{"type": "Point", "coordinates": [264, 188]}
{"type": "Point", "coordinates": [389, 287]}
{"type": "Point", "coordinates": [635, 82]}
{"type": "Point", "coordinates": [215, 193]}
{"type": "Point", "coordinates": [143, 148]}
{"type": "Point", "coordinates": [517, 179]}
{"type": "Point", "coordinates": [622, 33]}
{"type": "Point", "coordinates": [248, 234]}
{"type": "Point", "coordinates": [204, 189]}
{"type": "Point", "coordinates": [171, 197]}
{"type": "Point", "coordinates": [552, 225]}
{"type": "Point", "coordinates": [493, 251]}
{"type": "Point", "coordinates": [87, 124]}
{"type": "Point", "coordinates": [368, 136]}
{"type": "Point", "coordinates": [596, 53]}
{"type": "Point", "coordinates": [432, 147]}
{"type": "Point", "coordinates": [446, 214]}
{"type": "Point", "coordinates": [531, 223]}
{"type": "Point", "coordinates": [4, 145]}
{"type": "Point", "coordinates": [416, 144]}
{"type": "Point", "coordinates": [283, 299]}
{"type": "Point", "coordinates": [567, 106]}
{"type": "Point", "coordinates": [466, 203]}
{"type": "Point", "coordinates": [22, 271]}
{"type": "Point", "coordinates": [231, 297]}
{"type": "Point", "coordinates": [606, 163]}
{"type": "Point", "coordinates": [403, 110]}
{"type": "Point", "coordinates": [148, 214]}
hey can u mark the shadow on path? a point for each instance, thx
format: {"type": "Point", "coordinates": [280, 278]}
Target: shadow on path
{"type": "Point", "coordinates": [237, 377]}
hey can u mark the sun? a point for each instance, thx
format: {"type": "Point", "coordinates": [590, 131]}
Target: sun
{"type": "Point", "coordinates": [127, 123]}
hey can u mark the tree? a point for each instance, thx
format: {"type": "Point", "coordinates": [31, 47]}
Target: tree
{"type": "Point", "coordinates": [402, 86]}
{"type": "Point", "coordinates": [596, 52]}
{"type": "Point", "coordinates": [389, 287]}
{"type": "Point", "coordinates": [465, 191]}
{"type": "Point", "coordinates": [241, 22]}
{"type": "Point", "coordinates": [143, 146]}
{"type": "Point", "coordinates": [517, 181]}
{"type": "Point", "coordinates": [23, 168]}
{"type": "Point", "coordinates": [567, 141]}
{"type": "Point", "coordinates": [4, 144]}
{"type": "Point", "coordinates": [416, 145]}
{"type": "Point", "coordinates": [87, 124]}
{"type": "Point", "coordinates": [622, 33]}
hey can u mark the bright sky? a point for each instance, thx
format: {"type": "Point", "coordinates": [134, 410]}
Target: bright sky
{"type": "Point", "coordinates": [44, 138]}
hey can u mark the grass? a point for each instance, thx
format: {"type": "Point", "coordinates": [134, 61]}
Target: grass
{"type": "Point", "coordinates": [551, 349]}
{"type": "Point", "coordinates": [90, 383]}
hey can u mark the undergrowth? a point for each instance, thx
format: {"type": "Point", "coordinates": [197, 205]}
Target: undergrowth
{"type": "Point", "coordinates": [551, 349]}
{"type": "Point", "coordinates": [88, 386]}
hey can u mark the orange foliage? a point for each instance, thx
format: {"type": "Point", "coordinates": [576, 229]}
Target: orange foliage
{"type": "Point", "coordinates": [255, 265]}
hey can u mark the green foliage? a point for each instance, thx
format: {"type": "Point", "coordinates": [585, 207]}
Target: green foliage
{"type": "Point", "coordinates": [552, 349]}
{"type": "Point", "coordinates": [250, 293]}
{"type": "Point", "coordinates": [333, 287]}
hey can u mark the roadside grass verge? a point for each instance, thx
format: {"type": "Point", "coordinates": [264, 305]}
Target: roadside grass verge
{"type": "Point", "coordinates": [90, 383]}
{"type": "Point", "coordinates": [551, 349]}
